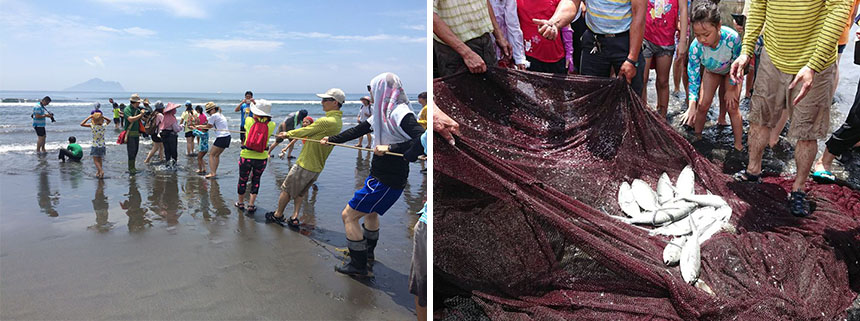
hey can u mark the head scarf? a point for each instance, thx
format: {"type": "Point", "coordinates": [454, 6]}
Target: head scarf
{"type": "Point", "coordinates": [169, 120]}
{"type": "Point", "coordinates": [390, 105]}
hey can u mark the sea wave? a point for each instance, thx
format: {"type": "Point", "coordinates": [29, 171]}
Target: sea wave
{"type": "Point", "coordinates": [53, 104]}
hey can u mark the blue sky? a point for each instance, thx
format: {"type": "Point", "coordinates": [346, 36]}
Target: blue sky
{"type": "Point", "coordinates": [212, 46]}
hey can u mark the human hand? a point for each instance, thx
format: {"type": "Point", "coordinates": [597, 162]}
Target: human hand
{"type": "Point", "coordinates": [628, 71]}
{"type": "Point", "coordinates": [324, 140]}
{"type": "Point", "coordinates": [444, 125]}
{"type": "Point", "coordinates": [520, 67]}
{"type": "Point", "coordinates": [803, 77]}
{"type": "Point", "coordinates": [505, 47]}
{"type": "Point", "coordinates": [282, 135]}
{"type": "Point", "coordinates": [380, 150]}
{"type": "Point", "coordinates": [546, 28]}
{"type": "Point", "coordinates": [690, 116]}
{"type": "Point", "coordinates": [474, 62]}
{"type": "Point", "coordinates": [738, 67]}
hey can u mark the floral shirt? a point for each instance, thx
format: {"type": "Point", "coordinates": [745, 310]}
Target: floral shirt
{"type": "Point", "coordinates": [98, 135]}
{"type": "Point", "coordinates": [716, 60]}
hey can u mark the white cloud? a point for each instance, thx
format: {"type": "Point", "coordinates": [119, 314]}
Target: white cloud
{"type": "Point", "coordinates": [377, 37]}
{"type": "Point", "coordinates": [107, 29]}
{"type": "Point", "coordinates": [178, 8]}
{"type": "Point", "coordinates": [140, 32]}
{"type": "Point", "coordinates": [95, 61]}
{"type": "Point", "coordinates": [236, 44]}
{"type": "Point", "coordinates": [415, 27]}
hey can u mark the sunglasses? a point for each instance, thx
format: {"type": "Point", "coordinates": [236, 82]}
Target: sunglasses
{"type": "Point", "coordinates": [328, 99]}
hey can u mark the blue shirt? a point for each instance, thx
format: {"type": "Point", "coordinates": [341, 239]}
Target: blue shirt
{"type": "Point", "coordinates": [39, 111]}
{"type": "Point", "coordinates": [242, 114]}
{"type": "Point", "coordinates": [608, 16]}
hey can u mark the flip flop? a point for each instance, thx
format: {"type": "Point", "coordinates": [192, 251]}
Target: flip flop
{"type": "Point", "coordinates": [241, 206]}
{"type": "Point", "coordinates": [251, 208]}
{"type": "Point", "coordinates": [824, 177]}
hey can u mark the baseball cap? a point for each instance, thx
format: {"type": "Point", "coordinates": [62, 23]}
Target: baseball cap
{"type": "Point", "coordinates": [335, 93]}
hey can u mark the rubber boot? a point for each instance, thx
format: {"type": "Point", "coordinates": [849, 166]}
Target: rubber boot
{"type": "Point", "coordinates": [372, 238]}
{"type": "Point", "coordinates": [357, 265]}
{"type": "Point", "coordinates": [131, 169]}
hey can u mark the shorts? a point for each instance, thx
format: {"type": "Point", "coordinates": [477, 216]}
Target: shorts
{"type": "Point", "coordinates": [189, 134]}
{"type": "Point", "coordinates": [97, 151]}
{"type": "Point", "coordinates": [448, 62]}
{"type": "Point", "coordinates": [840, 49]}
{"type": "Point", "coordinates": [298, 181]}
{"type": "Point", "coordinates": [649, 49]}
{"type": "Point", "coordinates": [156, 138]}
{"type": "Point", "coordinates": [222, 142]}
{"type": "Point", "coordinates": [810, 119]}
{"type": "Point", "coordinates": [40, 131]}
{"type": "Point", "coordinates": [374, 197]}
{"type": "Point", "coordinates": [116, 120]}
{"type": "Point", "coordinates": [418, 271]}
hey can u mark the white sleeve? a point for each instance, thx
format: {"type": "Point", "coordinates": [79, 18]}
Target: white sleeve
{"type": "Point", "coordinates": [515, 34]}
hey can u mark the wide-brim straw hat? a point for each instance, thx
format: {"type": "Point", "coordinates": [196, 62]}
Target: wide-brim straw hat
{"type": "Point", "coordinates": [135, 98]}
{"type": "Point", "coordinates": [210, 105]}
{"type": "Point", "coordinates": [262, 107]}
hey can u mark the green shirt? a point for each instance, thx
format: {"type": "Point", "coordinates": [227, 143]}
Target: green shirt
{"type": "Point", "coordinates": [116, 113]}
{"type": "Point", "coordinates": [76, 150]}
{"type": "Point", "coordinates": [250, 153]}
{"type": "Point", "coordinates": [313, 154]}
{"type": "Point", "coordinates": [132, 130]}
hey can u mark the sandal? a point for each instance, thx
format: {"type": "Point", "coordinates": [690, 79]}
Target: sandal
{"type": "Point", "coordinates": [251, 208]}
{"type": "Point", "coordinates": [241, 206]}
{"type": "Point", "coordinates": [744, 176]}
{"type": "Point", "coordinates": [271, 218]}
{"type": "Point", "coordinates": [824, 177]}
{"type": "Point", "coordinates": [294, 222]}
{"type": "Point", "coordinates": [798, 205]}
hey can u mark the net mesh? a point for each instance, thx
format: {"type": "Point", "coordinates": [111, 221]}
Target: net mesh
{"type": "Point", "coordinates": [522, 222]}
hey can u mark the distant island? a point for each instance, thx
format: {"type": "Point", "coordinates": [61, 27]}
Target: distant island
{"type": "Point", "coordinates": [97, 84]}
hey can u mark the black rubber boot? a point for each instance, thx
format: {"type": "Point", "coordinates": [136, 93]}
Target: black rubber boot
{"type": "Point", "coordinates": [372, 238]}
{"type": "Point", "coordinates": [357, 265]}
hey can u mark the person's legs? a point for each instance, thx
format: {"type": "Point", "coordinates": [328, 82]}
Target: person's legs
{"type": "Point", "coordinates": [644, 93]}
{"type": "Point", "coordinates": [40, 144]}
{"type": "Point", "coordinates": [132, 146]}
{"type": "Point", "coordinates": [65, 153]}
{"type": "Point", "coordinates": [844, 138]}
{"type": "Point", "coordinates": [152, 152]}
{"type": "Point", "coordinates": [369, 140]}
{"type": "Point", "coordinates": [244, 171]}
{"type": "Point", "coordinates": [810, 121]}
{"type": "Point", "coordinates": [97, 160]}
{"type": "Point", "coordinates": [189, 145]}
{"type": "Point", "coordinates": [200, 166]}
{"type": "Point", "coordinates": [804, 155]}
{"type": "Point", "coordinates": [664, 63]}
{"type": "Point", "coordinates": [710, 82]}
{"type": "Point", "coordinates": [171, 147]}
{"type": "Point", "coordinates": [721, 116]}
{"type": "Point", "coordinates": [297, 206]}
{"type": "Point", "coordinates": [757, 139]}
{"type": "Point", "coordinates": [258, 166]}
{"type": "Point", "coordinates": [773, 138]}
{"type": "Point", "coordinates": [730, 98]}
{"type": "Point", "coordinates": [283, 200]}
{"type": "Point", "coordinates": [360, 138]}
{"type": "Point", "coordinates": [356, 243]}
{"type": "Point", "coordinates": [214, 158]}
{"type": "Point", "coordinates": [371, 233]}
{"type": "Point", "coordinates": [289, 148]}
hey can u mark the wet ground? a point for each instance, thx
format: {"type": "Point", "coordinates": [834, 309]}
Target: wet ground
{"type": "Point", "coordinates": [717, 141]}
{"type": "Point", "coordinates": [170, 245]}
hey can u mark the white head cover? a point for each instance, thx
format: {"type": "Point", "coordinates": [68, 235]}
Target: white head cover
{"type": "Point", "coordinates": [390, 105]}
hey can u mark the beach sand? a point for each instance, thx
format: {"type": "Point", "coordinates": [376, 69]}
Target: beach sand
{"type": "Point", "coordinates": [170, 245]}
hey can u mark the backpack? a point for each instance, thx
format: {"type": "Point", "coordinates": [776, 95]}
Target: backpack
{"type": "Point", "coordinates": [151, 126]}
{"type": "Point", "coordinates": [257, 138]}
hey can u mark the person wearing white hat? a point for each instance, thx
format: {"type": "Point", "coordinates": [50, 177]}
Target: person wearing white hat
{"type": "Point", "coordinates": [254, 156]}
{"type": "Point", "coordinates": [222, 136]}
{"type": "Point", "coordinates": [363, 114]}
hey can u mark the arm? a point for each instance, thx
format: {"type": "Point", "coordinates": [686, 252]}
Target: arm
{"type": "Point", "coordinates": [563, 16]}
{"type": "Point", "coordinates": [41, 114]}
{"type": "Point", "coordinates": [239, 107]}
{"type": "Point", "coordinates": [754, 24]}
{"type": "Point", "coordinates": [312, 129]}
{"type": "Point", "coordinates": [84, 123]}
{"type": "Point", "coordinates": [472, 60]}
{"type": "Point", "coordinates": [135, 118]}
{"type": "Point", "coordinates": [837, 13]}
{"type": "Point", "coordinates": [497, 32]}
{"type": "Point", "coordinates": [682, 40]}
{"type": "Point", "coordinates": [693, 68]}
{"type": "Point", "coordinates": [351, 133]}
{"type": "Point", "coordinates": [410, 125]}
{"type": "Point", "coordinates": [107, 121]}
{"type": "Point", "coordinates": [515, 34]}
{"type": "Point", "coordinates": [637, 28]}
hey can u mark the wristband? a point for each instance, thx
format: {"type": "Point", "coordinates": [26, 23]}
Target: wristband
{"type": "Point", "coordinates": [632, 62]}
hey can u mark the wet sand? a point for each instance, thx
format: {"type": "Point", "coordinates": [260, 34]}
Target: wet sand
{"type": "Point", "coordinates": [166, 245]}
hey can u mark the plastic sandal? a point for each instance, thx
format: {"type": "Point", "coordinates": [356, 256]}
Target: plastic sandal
{"type": "Point", "coordinates": [251, 208]}
{"type": "Point", "coordinates": [824, 177]}
{"type": "Point", "coordinates": [744, 176]}
{"type": "Point", "coordinates": [294, 222]}
{"type": "Point", "coordinates": [241, 206]}
{"type": "Point", "coordinates": [271, 218]}
{"type": "Point", "coordinates": [798, 205]}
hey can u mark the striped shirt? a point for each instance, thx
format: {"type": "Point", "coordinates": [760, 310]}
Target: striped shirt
{"type": "Point", "coordinates": [797, 33]}
{"type": "Point", "coordinates": [608, 16]}
{"type": "Point", "coordinates": [314, 155]}
{"type": "Point", "coordinates": [468, 19]}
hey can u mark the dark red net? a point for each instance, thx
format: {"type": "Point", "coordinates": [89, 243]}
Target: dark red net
{"type": "Point", "coordinates": [522, 206]}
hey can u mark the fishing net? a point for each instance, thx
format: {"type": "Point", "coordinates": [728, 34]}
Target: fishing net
{"type": "Point", "coordinates": [522, 226]}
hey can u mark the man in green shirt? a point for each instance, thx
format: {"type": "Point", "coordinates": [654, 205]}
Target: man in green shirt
{"type": "Point", "coordinates": [312, 158]}
{"type": "Point", "coordinates": [73, 152]}
{"type": "Point", "coordinates": [132, 130]}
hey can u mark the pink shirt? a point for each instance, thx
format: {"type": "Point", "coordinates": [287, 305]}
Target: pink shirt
{"type": "Point", "coordinates": [536, 46]}
{"type": "Point", "coordinates": [202, 119]}
{"type": "Point", "coordinates": [661, 21]}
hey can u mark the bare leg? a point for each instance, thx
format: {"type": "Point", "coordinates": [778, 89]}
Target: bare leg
{"type": "Point", "coordinates": [151, 153]}
{"type": "Point", "coordinates": [190, 148]}
{"type": "Point", "coordinates": [645, 79]}
{"type": "Point", "coordinates": [730, 99]}
{"type": "Point", "coordinates": [241, 198]}
{"type": "Point", "coordinates": [757, 140]}
{"type": "Point", "coordinates": [40, 144]}
{"type": "Point", "coordinates": [350, 223]}
{"type": "Point", "coordinates": [420, 311]}
{"type": "Point", "coordinates": [804, 155]}
{"type": "Point", "coordinates": [710, 82]}
{"type": "Point", "coordinates": [371, 221]}
{"type": "Point", "coordinates": [664, 63]}
{"type": "Point", "coordinates": [825, 163]}
{"type": "Point", "coordinates": [369, 140]}
{"type": "Point", "coordinates": [214, 158]}
{"type": "Point", "coordinates": [200, 166]}
{"type": "Point", "coordinates": [773, 138]}
{"type": "Point", "coordinates": [721, 116]}
{"type": "Point", "coordinates": [677, 65]}
{"type": "Point", "coordinates": [283, 200]}
{"type": "Point", "coordinates": [290, 147]}
{"type": "Point", "coordinates": [298, 206]}
{"type": "Point", "coordinates": [98, 161]}
{"type": "Point", "coordinates": [252, 199]}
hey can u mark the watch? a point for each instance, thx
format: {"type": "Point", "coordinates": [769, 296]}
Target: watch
{"type": "Point", "coordinates": [632, 62]}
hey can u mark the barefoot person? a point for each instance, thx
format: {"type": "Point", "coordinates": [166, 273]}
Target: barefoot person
{"type": "Point", "coordinates": [395, 128]}
{"type": "Point", "coordinates": [364, 114]}
{"type": "Point", "coordinates": [715, 47]}
{"type": "Point", "coordinates": [202, 135]}
{"type": "Point", "coordinates": [97, 123]}
{"type": "Point", "coordinates": [153, 124]}
{"type": "Point", "coordinates": [188, 121]}
{"type": "Point", "coordinates": [312, 158]}
{"type": "Point", "coordinates": [218, 123]}
{"type": "Point", "coordinates": [39, 115]}
{"type": "Point", "coordinates": [796, 73]}
{"type": "Point", "coordinates": [253, 157]}
{"type": "Point", "coordinates": [293, 120]}
{"type": "Point", "coordinates": [661, 23]}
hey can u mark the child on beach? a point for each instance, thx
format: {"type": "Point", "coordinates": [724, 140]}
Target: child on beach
{"type": "Point", "coordinates": [307, 121]}
{"type": "Point", "coordinates": [202, 135]}
{"type": "Point", "coordinates": [661, 21]}
{"type": "Point", "coordinates": [73, 152]}
{"type": "Point", "coordinates": [714, 48]}
{"type": "Point", "coordinates": [97, 124]}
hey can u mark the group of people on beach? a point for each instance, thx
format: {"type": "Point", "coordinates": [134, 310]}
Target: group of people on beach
{"type": "Point", "coordinates": [786, 52]}
{"type": "Point", "coordinates": [398, 138]}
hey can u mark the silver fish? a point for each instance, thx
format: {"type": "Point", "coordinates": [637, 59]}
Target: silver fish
{"type": "Point", "coordinates": [672, 251]}
{"type": "Point", "coordinates": [672, 212]}
{"type": "Point", "coordinates": [665, 190]}
{"type": "Point", "coordinates": [691, 257]}
{"type": "Point", "coordinates": [627, 201]}
{"type": "Point", "coordinates": [685, 185]}
{"type": "Point", "coordinates": [644, 195]}
{"type": "Point", "coordinates": [677, 228]}
{"type": "Point", "coordinates": [705, 200]}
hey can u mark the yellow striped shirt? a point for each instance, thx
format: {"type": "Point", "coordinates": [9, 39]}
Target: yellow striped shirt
{"type": "Point", "coordinates": [797, 33]}
{"type": "Point", "coordinates": [468, 19]}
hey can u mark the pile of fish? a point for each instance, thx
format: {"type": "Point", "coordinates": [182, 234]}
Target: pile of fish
{"type": "Point", "coordinates": [676, 211]}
